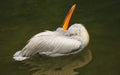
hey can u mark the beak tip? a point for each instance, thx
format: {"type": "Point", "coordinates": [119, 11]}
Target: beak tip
{"type": "Point", "coordinates": [74, 5]}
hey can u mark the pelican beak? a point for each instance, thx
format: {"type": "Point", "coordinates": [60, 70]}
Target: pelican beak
{"type": "Point", "coordinates": [68, 17]}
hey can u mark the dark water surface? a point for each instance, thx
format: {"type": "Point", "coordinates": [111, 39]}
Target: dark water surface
{"type": "Point", "coordinates": [21, 19]}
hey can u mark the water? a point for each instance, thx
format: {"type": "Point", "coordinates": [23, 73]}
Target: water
{"type": "Point", "coordinates": [20, 20]}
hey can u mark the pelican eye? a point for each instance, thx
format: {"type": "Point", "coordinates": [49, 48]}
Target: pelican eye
{"type": "Point", "coordinates": [71, 34]}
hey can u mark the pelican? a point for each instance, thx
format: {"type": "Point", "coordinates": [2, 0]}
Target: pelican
{"type": "Point", "coordinates": [63, 41]}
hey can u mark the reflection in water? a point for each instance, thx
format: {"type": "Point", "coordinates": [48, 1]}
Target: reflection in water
{"type": "Point", "coordinates": [59, 65]}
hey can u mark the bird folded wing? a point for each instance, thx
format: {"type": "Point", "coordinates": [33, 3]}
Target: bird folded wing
{"type": "Point", "coordinates": [51, 45]}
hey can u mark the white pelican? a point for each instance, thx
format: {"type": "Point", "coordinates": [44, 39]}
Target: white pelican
{"type": "Point", "coordinates": [63, 41]}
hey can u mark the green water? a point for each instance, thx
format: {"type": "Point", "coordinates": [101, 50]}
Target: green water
{"type": "Point", "coordinates": [21, 19]}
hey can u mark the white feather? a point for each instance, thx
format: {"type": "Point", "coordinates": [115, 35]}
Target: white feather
{"type": "Point", "coordinates": [56, 43]}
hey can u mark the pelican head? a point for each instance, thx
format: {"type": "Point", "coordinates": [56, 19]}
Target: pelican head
{"type": "Point", "coordinates": [79, 32]}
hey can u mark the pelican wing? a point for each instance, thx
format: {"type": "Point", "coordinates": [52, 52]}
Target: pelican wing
{"type": "Point", "coordinates": [50, 43]}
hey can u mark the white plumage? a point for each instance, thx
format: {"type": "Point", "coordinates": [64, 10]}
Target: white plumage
{"type": "Point", "coordinates": [63, 41]}
{"type": "Point", "coordinates": [55, 43]}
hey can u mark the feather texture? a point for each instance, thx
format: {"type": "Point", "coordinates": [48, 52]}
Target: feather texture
{"type": "Point", "coordinates": [54, 43]}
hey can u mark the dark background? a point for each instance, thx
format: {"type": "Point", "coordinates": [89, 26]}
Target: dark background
{"type": "Point", "coordinates": [21, 19]}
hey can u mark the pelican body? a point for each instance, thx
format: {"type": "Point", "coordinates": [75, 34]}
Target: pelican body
{"type": "Point", "coordinates": [62, 41]}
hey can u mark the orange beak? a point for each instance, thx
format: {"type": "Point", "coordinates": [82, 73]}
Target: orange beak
{"type": "Point", "coordinates": [68, 17]}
